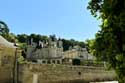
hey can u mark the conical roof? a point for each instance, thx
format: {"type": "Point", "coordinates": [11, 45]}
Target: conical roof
{"type": "Point", "coordinates": [4, 42]}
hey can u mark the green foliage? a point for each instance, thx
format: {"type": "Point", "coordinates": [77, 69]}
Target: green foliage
{"type": "Point", "coordinates": [22, 46]}
{"type": "Point", "coordinates": [71, 42]}
{"type": "Point", "coordinates": [4, 30]}
{"type": "Point", "coordinates": [110, 39]}
{"type": "Point", "coordinates": [90, 45]}
{"type": "Point", "coordinates": [12, 38]}
{"type": "Point", "coordinates": [22, 38]}
{"type": "Point", "coordinates": [21, 60]}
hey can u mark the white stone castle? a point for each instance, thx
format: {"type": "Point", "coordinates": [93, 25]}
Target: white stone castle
{"type": "Point", "coordinates": [51, 51]}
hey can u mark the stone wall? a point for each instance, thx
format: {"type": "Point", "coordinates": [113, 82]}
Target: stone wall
{"type": "Point", "coordinates": [44, 53]}
{"type": "Point", "coordinates": [6, 64]}
{"type": "Point", "coordinates": [51, 73]}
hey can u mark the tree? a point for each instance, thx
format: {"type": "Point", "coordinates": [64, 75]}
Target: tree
{"type": "Point", "coordinates": [90, 45]}
{"type": "Point", "coordinates": [71, 43]}
{"type": "Point", "coordinates": [22, 38]}
{"type": "Point", "coordinates": [110, 41]}
{"type": "Point", "coordinates": [12, 38]}
{"type": "Point", "coordinates": [82, 44]}
{"type": "Point", "coordinates": [4, 30]}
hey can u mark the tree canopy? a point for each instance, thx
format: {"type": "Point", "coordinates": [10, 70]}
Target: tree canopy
{"type": "Point", "coordinates": [4, 30]}
{"type": "Point", "coordinates": [110, 41]}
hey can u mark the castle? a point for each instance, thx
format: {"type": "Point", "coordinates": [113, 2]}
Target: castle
{"type": "Point", "coordinates": [51, 52]}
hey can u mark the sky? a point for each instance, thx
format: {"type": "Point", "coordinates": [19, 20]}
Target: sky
{"type": "Point", "coordinates": [67, 19]}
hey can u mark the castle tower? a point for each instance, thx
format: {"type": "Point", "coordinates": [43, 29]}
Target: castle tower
{"type": "Point", "coordinates": [60, 44]}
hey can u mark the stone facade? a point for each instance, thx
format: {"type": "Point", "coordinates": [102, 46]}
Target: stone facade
{"type": "Point", "coordinates": [51, 51]}
{"type": "Point", "coordinates": [46, 52]}
{"type": "Point", "coordinates": [77, 53]}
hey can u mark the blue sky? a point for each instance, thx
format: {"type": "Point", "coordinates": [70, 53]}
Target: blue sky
{"type": "Point", "coordinates": [65, 18]}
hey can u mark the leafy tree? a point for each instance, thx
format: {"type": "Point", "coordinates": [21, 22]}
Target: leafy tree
{"type": "Point", "coordinates": [12, 38]}
{"type": "Point", "coordinates": [66, 44]}
{"type": "Point", "coordinates": [71, 42]}
{"type": "Point", "coordinates": [22, 38]}
{"type": "Point", "coordinates": [4, 30]}
{"type": "Point", "coordinates": [90, 45]}
{"type": "Point", "coordinates": [110, 41]}
{"type": "Point", "coordinates": [37, 37]}
{"type": "Point", "coordinates": [43, 37]}
{"type": "Point", "coordinates": [82, 44]}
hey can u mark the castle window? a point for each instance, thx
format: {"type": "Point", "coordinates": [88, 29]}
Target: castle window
{"type": "Point", "coordinates": [43, 61]}
{"type": "Point", "coordinates": [58, 61]}
{"type": "Point", "coordinates": [53, 61]}
{"type": "Point", "coordinates": [48, 62]}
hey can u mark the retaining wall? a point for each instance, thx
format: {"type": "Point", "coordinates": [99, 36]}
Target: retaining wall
{"type": "Point", "coordinates": [51, 73]}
